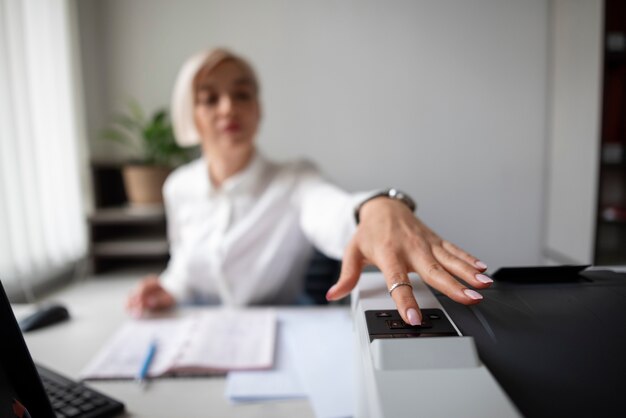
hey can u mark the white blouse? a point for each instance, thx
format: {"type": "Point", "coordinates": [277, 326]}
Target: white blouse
{"type": "Point", "coordinates": [250, 241]}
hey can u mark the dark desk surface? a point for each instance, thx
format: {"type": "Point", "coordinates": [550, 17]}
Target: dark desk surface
{"type": "Point", "coordinates": [557, 349]}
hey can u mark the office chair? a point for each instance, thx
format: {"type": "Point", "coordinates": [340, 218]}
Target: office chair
{"type": "Point", "coordinates": [321, 274]}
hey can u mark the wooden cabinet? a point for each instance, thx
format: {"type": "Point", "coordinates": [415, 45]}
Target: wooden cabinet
{"type": "Point", "coordinates": [123, 236]}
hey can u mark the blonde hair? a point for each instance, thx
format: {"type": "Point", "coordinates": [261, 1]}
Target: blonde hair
{"type": "Point", "coordinates": [183, 96]}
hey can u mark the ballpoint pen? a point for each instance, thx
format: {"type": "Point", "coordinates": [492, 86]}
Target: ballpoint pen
{"type": "Point", "coordinates": [145, 365]}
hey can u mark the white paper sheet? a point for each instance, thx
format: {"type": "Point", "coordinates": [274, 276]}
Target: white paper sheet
{"type": "Point", "coordinates": [322, 345]}
{"type": "Point", "coordinates": [281, 382]}
{"type": "Point", "coordinates": [314, 359]}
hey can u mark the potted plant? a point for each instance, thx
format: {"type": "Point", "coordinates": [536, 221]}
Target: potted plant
{"type": "Point", "coordinates": [152, 140]}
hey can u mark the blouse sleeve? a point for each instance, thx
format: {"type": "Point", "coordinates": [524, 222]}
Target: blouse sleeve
{"type": "Point", "coordinates": [174, 277]}
{"type": "Point", "coordinates": [326, 211]}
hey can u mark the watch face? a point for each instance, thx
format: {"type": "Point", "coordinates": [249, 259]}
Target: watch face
{"type": "Point", "coordinates": [397, 194]}
{"type": "Point", "coordinates": [390, 193]}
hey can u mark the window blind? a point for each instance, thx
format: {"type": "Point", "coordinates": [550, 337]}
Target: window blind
{"type": "Point", "coordinates": [42, 226]}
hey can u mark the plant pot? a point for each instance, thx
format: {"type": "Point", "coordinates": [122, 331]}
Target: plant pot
{"type": "Point", "coordinates": [144, 183]}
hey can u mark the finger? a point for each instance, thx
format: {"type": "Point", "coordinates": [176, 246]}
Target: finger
{"type": "Point", "coordinates": [134, 306]}
{"type": "Point", "coordinates": [351, 267]}
{"type": "Point", "coordinates": [159, 299]}
{"type": "Point", "coordinates": [468, 258]}
{"type": "Point", "coordinates": [461, 269]}
{"type": "Point", "coordinates": [148, 286]}
{"type": "Point", "coordinates": [433, 273]}
{"type": "Point", "coordinates": [133, 298]}
{"type": "Point", "coordinates": [133, 301]}
{"type": "Point", "coordinates": [130, 299]}
{"type": "Point", "coordinates": [395, 271]}
{"type": "Point", "coordinates": [136, 303]}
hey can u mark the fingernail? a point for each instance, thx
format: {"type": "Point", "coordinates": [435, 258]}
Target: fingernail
{"type": "Point", "coordinates": [414, 318]}
{"type": "Point", "coordinates": [480, 265]}
{"type": "Point", "coordinates": [330, 292]}
{"type": "Point", "coordinates": [483, 279]}
{"type": "Point", "coordinates": [472, 294]}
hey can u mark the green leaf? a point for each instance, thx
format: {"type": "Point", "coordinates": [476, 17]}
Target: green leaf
{"type": "Point", "coordinates": [115, 135]}
{"type": "Point", "coordinates": [154, 136]}
{"type": "Point", "coordinates": [136, 112]}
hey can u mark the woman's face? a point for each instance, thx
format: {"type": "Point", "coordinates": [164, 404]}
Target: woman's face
{"type": "Point", "coordinates": [227, 111]}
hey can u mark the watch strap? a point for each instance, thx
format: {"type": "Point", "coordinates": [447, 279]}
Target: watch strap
{"type": "Point", "coordinates": [391, 193]}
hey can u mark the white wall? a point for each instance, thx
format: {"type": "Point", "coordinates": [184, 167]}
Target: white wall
{"type": "Point", "coordinates": [445, 99]}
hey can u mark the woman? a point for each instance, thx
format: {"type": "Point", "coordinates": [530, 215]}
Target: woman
{"type": "Point", "coordinates": [241, 228]}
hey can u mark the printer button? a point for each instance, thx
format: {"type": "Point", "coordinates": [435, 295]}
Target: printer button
{"type": "Point", "coordinates": [396, 324]}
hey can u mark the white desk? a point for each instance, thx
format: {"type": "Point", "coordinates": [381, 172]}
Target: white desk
{"type": "Point", "coordinates": [97, 310]}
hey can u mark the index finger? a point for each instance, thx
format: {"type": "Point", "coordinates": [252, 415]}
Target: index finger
{"type": "Point", "coordinates": [433, 273]}
{"type": "Point", "coordinates": [395, 272]}
{"type": "Point", "coordinates": [148, 285]}
{"type": "Point", "coordinates": [136, 302]}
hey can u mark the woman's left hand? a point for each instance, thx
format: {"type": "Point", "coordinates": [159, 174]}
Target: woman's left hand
{"type": "Point", "coordinates": [390, 237]}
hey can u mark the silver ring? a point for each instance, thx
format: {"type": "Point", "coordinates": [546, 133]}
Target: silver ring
{"type": "Point", "coordinates": [398, 284]}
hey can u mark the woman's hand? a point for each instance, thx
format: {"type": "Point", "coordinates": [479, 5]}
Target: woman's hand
{"type": "Point", "coordinates": [392, 238]}
{"type": "Point", "coordinates": [149, 296]}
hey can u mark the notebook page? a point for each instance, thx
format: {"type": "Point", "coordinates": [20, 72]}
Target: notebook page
{"type": "Point", "coordinates": [230, 339]}
{"type": "Point", "coordinates": [123, 355]}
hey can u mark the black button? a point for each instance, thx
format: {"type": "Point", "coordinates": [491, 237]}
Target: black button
{"type": "Point", "coordinates": [87, 407]}
{"type": "Point", "coordinates": [396, 324]}
{"type": "Point", "coordinates": [99, 401]}
{"type": "Point", "coordinates": [76, 402]}
{"type": "Point", "coordinates": [58, 405]}
{"type": "Point", "coordinates": [70, 411]}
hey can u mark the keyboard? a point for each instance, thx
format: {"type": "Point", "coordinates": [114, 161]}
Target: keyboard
{"type": "Point", "coordinates": [71, 399]}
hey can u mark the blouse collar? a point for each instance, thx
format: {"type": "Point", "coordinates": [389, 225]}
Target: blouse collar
{"type": "Point", "coordinates": [241, 183]}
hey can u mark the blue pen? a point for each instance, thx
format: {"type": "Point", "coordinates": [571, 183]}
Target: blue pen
{"type": "Point", "coordinates": [145, 366]}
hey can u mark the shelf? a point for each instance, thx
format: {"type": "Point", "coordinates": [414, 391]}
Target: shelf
{"type": "Point", "coordinates": [616, 223]}
{"type": "Point", "coordinates": [124, 236]}
{"type": "Point", "coordinates": [612, 154]}
{"type": "Point", "coordinates": [129, 248]}
{"type": "Point", "coordinates": [128, 215]}
{"type": "Point", "coordinates": [613, 215]}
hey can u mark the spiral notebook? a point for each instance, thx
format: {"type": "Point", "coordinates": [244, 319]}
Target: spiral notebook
{"type": "Point", "coordinates": [208, 342]}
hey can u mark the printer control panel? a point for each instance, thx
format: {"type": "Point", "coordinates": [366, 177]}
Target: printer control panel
{"type": "Point", "coordinates": [389, 324]}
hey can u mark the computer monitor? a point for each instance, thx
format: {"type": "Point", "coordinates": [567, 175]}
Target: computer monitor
{"type": "Point", "coordinates": [29, 390]}
{"type": "Point", "coordinates": [21, 392]}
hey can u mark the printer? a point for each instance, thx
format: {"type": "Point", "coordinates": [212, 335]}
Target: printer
{"type": "Point", "coordinates": [429, 371]}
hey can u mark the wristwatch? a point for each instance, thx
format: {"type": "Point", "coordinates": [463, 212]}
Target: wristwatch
{"type": "Point", "coordinates": [390, 193]}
